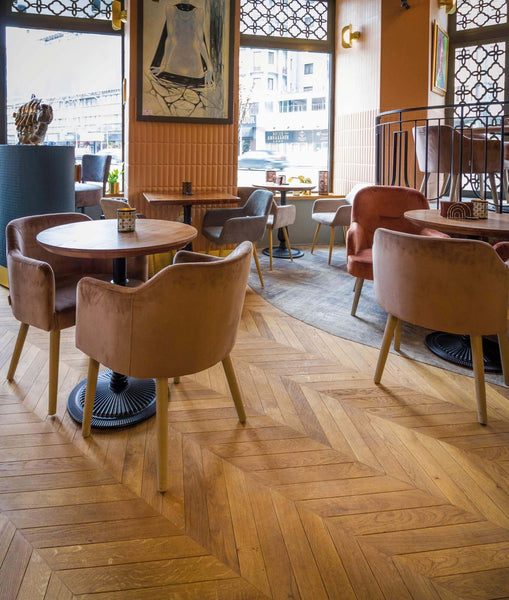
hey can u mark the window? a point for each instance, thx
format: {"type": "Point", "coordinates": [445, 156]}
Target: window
{"type": "Point", "coordinates": [318, 104]}
{"type": "Point", "coordinates": [296, 38]}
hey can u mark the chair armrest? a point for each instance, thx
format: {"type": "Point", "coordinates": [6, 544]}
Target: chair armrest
{"type": "Point", "coordinates": [104, 314]}
{"type": "Point", "coordinates": [241, 229]}
{"type": "Point", "coordinates": [184, 256]}
{"type": "Point", "coordinates": [217, 216]}
{"type": "Point", "coordinates": [31, 290]}
{"type": "Point", "coordinates": [343, 215]}
{"type": "Point", "coordinates": [328, 205]}
{"type": "Point", "coordinates": [356, 239]}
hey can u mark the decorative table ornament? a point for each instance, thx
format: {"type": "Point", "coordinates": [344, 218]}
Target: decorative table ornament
{"type": "Point", "coordinates": [456, 210]}
{"type": "Point", "coordinates": [126, 219]}
{"type": "Point", "coordinates": [480, 208]}
{"type": "Point", "coordinates": [281, 180]}
{"type": "Point", "coordinates": [270, 176]}
{"type": "Point", "coordinates": [323, 182]}
{"type": "Point", "coordinates": [32, 120]}
{"type": "Point", "coordinates": [187, 188]}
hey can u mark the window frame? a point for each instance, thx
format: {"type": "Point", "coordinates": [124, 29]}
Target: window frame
{"type": "Point", "coordinates": [9, 18]}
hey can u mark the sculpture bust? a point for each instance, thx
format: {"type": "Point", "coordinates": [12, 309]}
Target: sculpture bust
{"type": "Point", "coordinates": [32, 120]}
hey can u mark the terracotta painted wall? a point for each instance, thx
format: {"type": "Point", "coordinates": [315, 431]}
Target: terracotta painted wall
{"type": "Point", "coordinates": [161, 155]}
{"type": "Point", "coordinates": [389, 68]}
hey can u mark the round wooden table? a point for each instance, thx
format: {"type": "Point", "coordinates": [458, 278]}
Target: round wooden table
{"type": "Point", "coordinates": [496, 225]}
{"type": "Point", "coordinates": [120, 400]}
{"type": "Point", "coordinates": [282, 251]}
{"type": "Point", "coordinates": [452, 347]}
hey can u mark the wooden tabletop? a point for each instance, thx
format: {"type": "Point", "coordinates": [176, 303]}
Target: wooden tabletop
{"type": "Point", "coordinates": [170, 198]}
{"type": "Point", "coordinates": [100, 239]}
{"type": "Point", "coordinates": [285, 187]}
{"type": "Point", "coordinates": [496, 225]}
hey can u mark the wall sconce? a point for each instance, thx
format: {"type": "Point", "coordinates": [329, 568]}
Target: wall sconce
{"type": "Point", "coordinates": [348, 35]}
{"type": "Point", "coordinates": [118, 15]}
{"type": "Point", "coordinates": [450, 6]}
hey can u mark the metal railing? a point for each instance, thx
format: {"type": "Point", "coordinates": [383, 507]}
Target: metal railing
{"type": "Point", "coordinates": [454, 151]}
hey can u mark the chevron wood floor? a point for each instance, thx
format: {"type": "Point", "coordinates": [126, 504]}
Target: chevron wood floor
{"type": "Point", "coordinates": [334, 488]}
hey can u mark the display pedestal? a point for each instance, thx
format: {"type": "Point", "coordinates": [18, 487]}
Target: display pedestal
{"type": "Point", "coordinates": [34, 180]}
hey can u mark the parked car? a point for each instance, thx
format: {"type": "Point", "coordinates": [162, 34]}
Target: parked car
{"type": "Point", "coordinates": [262, 159]}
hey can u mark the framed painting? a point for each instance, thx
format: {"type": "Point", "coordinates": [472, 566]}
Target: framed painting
{"type": "Point", "coordinates": [439, 60]}
{"type": "Point", "coordinates": [185, 60]}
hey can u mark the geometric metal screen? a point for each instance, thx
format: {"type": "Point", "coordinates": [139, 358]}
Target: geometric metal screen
{"type": "Point", "coordinates": [297, 19]}
{"type": "Point", "coordinates": [84, 9]}
{"type": "Point", "coordinates": [479, 76]}
{"type": "Point", "coordinates": [480, 13]}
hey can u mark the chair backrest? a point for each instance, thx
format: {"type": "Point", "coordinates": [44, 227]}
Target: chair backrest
{"type": "Point", "coordinates": [354, 191]}
{"type": "Point", "coordinates": [438, 149]}
{"type": "Point", "coordinates": [96, 167]}
{"type": "Point", "coordinates": [384, 206]}
{"type": "Point", "coordinates": [182, 321]}
{"type": "Point", "coordinates": [453, 285]}
{"type": "Point", "coordinates": [258, 204]}
{"type": "Point", "coordinates": [244, 192]}
{"type": "Point", "coordinates": [109, 206]}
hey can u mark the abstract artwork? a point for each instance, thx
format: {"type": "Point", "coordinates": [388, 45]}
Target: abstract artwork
{"type": "Point", "coordinates": [185, 60]}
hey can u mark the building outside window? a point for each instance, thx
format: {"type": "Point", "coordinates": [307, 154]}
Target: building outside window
{"type": "Point", "coordinates": [294, 113]}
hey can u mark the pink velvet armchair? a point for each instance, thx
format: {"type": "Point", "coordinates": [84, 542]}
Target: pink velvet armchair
{"type": "Point", "coordinates": [182, 321]}
{"type": "Point", "coordinates": [374, 207]}
{"type": "Point", "coordinates": [42, 286]}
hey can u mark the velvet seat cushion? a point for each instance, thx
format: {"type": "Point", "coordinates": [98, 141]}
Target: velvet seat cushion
{"type": "Point", "coordinates": [87, 194]}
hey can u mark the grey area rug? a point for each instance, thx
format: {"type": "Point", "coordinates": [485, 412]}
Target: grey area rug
{"type": "Point", "coordinates": [321, 295]}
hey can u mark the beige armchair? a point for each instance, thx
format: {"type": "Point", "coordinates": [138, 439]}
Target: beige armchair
{"type": "Point", "coordinates": [334, 212]}
{"type": "Point", "coordinates": [182, 321]}
{"type": "Point", "coordinates": [453, 285]}
{"type": "Point", "coordinates": [42, 286]}
{"type": "Point", "coordinates": [280, 218]}
{"type": "Point", "coordinates": [247, 223]}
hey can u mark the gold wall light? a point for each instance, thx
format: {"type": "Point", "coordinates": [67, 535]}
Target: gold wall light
{"type": "Point", "coordinates": [450, 6]}
{"type": "Point", "coordinates": [118, 15]}
{"type": "Point", "coordinates": [348, 35]}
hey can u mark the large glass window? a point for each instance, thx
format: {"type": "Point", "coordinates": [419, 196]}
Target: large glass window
{"type": "Point", "coordinates": [79, 74]}
{"type": "Point", "coordinates": [288, 44]}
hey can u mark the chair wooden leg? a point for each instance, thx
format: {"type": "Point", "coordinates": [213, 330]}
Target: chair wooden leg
{"type": "Point", "coordinates": [18, 347]}
{"type": "Point", "coordinates": [357, 289]}
{"type": "Point", "coordinates": [220, 254]}
{"type": "Point", "coordinates": [162, 433]}
{"type": "Point", "coordinates": [234, 388]}
{"type": "Point", "coordinates": [54, 354]}
{"type": "Point", "coordinates": [424, 182]}
{"type": "Point", "coordinates": [503, 342]}
{"type": "Point", "coordinates": [493, 186]}
{"type": "Point", "coordinates": [270, 249]}
{"type": "Point", "coordinates": [176, 380]}
{"type": "Point", "coordinates": [331, 243]}
{"type": "Point", "coordinates": [345, 231]}
{"type": "Point", "coordinates": [316, 237]}
{"type": "Point", "coordinates": [397, 336]}
{"type": "Point", "coordinates": [390, 326]}
{"type": "Point", "coordinates": [258, 268]}
{"type": "Point", "coordinates": [454, 187]}
{"type": "Point", "coordinates": [506, 188]}
{"type": "Point", "coordinates": [480, 387]}
{"type": "Point", "coordinates": [93, 370]}
{"type": "Point", "coordinates": [287, 240]}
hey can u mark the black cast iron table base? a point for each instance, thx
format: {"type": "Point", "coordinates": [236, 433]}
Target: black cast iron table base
{"type": "Point", "coordinates": [119, 400]}
{"type": "Point", "coordinates": [456, 349]}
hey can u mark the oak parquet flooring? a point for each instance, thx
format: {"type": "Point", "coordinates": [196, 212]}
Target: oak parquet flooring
{"type": "Point", "coordinates": [335, 488]}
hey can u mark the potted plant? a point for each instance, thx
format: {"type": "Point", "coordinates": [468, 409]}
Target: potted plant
{"type": "Point", "coordinates": [113, 184]}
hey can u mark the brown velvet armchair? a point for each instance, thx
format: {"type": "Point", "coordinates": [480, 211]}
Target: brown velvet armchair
{"type": "Point", "coordinates": [373, 207]}
{"type": "Point", "coordinates": [42, 285]}
{"type": "Point", "coordinates": [182, 321]}
{"type": "Point", "coordinates": [247, 223]}
{"type": "Point", "coordinates": [452, 285]}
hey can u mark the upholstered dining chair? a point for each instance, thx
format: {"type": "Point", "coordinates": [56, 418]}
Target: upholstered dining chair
{"type": "Point", "coordinates": [182, 321]}
{"type": "Point", "coordinates": [94, 175]}
{"type": "Point", "coordinates": [223, 226]}
{"type": "Point", "coordinates": [334, 212]}
{"type": "Point", "coordinates": [373, 207]}
{"type": "Point", "coordinates": [502, 249]}
{"type": "Point", "coordinates": [453, 285]}
{"type": "Point", "coordinates": [42, 285]}
{"type": "Point", "coordinates": [280, 217]}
